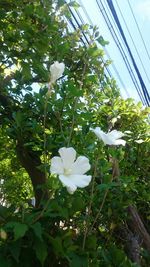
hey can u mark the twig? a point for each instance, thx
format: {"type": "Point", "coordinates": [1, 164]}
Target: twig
{"type": "Point", "coordinates": [42, 212]}
{"type": "Point", "coordinates": [139, 227]}
{"type": "Point", "coordinates": [90, 205]}
{"type": "Point", "coordinates": [106, 192]}
{"type": "Point", "coordinates": [44, 123]}
{"type": "Point", "coordinates": [75, 104]}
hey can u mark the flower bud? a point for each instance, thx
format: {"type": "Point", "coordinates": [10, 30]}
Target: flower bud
{"type": "Point", "coordinates": [56, 71]}
{"type": "Point", "coordinates": [3, 234]}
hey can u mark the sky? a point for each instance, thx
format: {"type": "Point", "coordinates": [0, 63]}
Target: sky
{"type": "Point", "coordinates": [141, 9]}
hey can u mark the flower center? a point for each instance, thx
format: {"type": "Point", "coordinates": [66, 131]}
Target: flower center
{"type": "Point", "coordinates": [67, 171]}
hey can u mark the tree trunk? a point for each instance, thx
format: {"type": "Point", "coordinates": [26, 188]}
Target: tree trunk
{"type": "Point", "coordinates": [138, 227]}
{"type": "Point", "coordinates": [28, 158]}
{"type": "Point", "coordinates": [131, 242]}
{"type": "Point", "coordinates": [133, 247]}
{"type": "Point", "coordinates": [30, 161]}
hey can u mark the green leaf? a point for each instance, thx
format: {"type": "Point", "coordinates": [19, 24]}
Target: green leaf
{"type": "Point", "coordinates": [107, 186]}
{"type": "Point", "coordinates": [80, 261]}
{"type": "Point", "coordinates": [91, 242]}
{"type": "Point", "coordinates": [61, 3]}
{"type": "Point", "coordinates": [74, 4]}
{"type": "Point", "coordinates": [26, 72]}
{"type": "Point", "coordinates": [57, 245]}
{"type": "Point", "coordinates": [40, 250]}
{"type": "Point", "coordinates": [19, 118]}
{"type": "Point", "coordinates": [73, 89]}
{"type": "Point", "coordinates": [19, 229]}
{"type": "Point", "coordinates": [4, 213]}
{"type": "Point", "coordinates": [37, 230]}
{"type": "Point", "coordinates": [29, 88]}
{"type": "Point", "coordinates": [102, 41]}
{"type": "Point", "coordinates": [78, 204]}
{"type": "Point", "coordinates": [4, 262]}
{"type": "Point", "coordinates": [96, 34]}
{"type": "Point", "coordinates": [15, 249]}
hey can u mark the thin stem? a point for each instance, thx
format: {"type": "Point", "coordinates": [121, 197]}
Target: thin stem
{"type": "Point", "coordinates": [103, 201]}
{"type": "Point", "coordinates": [73, 121]}
{"type": "Point", "coordinates": [75, 105]}
{"type": "Point", "coordinates": [90, 205]}
{"type": "Point", "coordinates": [42, 212]}
{"type": "Point", "coordinates": [44, 122]}
{"type": "Point", "coordinates": [100, 209]}
{"type": "Point", "coordinates": [60, 125]}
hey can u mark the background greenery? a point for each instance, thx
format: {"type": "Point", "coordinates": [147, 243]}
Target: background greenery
{"type": "Point", "coordinates": [95, 226]}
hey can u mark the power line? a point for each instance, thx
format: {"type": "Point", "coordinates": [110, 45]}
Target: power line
{"type": "Point", "coordinates": [106, 52]}
{"type": "Point", "coordinates": [115, 37]}
{"type": "Point", "coordinates": [132, 40]}
{"type": "Point", "coordinates": [85, 12]}
{"type": "Point", "coordinates": [117, 73]}
{"type": "Point", "coordinates": [79, 22]}
{"type": "Point", "coordinates": [139, 29]}
{"type": "Point", "coordinates": [144, 89]}
{"type": "Point", "coordinates": [80, 27]}
{"type": "Point", "coordinates": [82, 21]}
{"type": "Point", "coordinates": [145, 98]}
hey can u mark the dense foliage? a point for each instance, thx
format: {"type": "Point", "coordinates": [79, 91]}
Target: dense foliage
{"type": "Point", "coordinates": [104, 224]}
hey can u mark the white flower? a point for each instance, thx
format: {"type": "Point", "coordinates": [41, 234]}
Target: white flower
{"type": "Point", "coordinates": [140, 141]}
{"type": "Point", "coordinates": [110, 138]}
{"type": "Point", "coordinates": [127, 132]}
{"type": "Point", "coordinates": [71, 172]}
{"type": "Point", "coordinates": [56, 71]}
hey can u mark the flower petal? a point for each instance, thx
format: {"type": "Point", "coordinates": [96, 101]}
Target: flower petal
{"type": "Point", "coordinates": [97, 131]}
{"type": "Point", "coordinates": [56, 70]}
{"type": "Point", "coordinates": [140, 141]}
{"type": "Point", "coordinates": [119, 142]}
{"type": "Point", "coordinates": [110, 138]}
{"type": "Point", "coordinates": [68, 156]}
{"type": "Point", "coordinates": [80, 166]}
{"type": "Point", "coordinates": [71, 190]}
{"type": "Point", "coordinates": [115, 134]}
{"type": "Point", "coordinates": [100, 134]}
{"type": "Point", "coordinates": [66, 181]}
{"type": "Point", "coordinates": [56, 166]}
{"type": "Point", "coordinates": [80, 180]}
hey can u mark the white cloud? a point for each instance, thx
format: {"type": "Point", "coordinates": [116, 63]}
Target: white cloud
{"type": "Point", "coordinates": [143, 7]}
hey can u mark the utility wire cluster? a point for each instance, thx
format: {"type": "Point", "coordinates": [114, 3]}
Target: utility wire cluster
{"type": "Point", "coordinates": [108, 11]}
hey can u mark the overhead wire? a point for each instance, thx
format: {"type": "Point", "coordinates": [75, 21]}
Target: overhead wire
{"type": "Point", "coordinates": [106, 51]}
{"type": "Point", "coordinates": [132, 40]}
{"type": "Point", "coordinates": [119, 45]}
{"type": "Point", "coordinates": [143, 86]}
{"type": "Point", "coordinates": [83, 23]}
{"type": "Point", "coordinates": [86, 40]}
{"type": "Point", "coordinates": [117, 74]}
{"type": "Point", "coordinates": [108, 70]}
{"type": "Point", "coordinates": [78, 22]}
{"type": "Point", "coordinates": [131, 9]}
{"type": "Point", "coordinates": [145, 98]}
{"type": "Point", "coordinates": [79, 26]}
